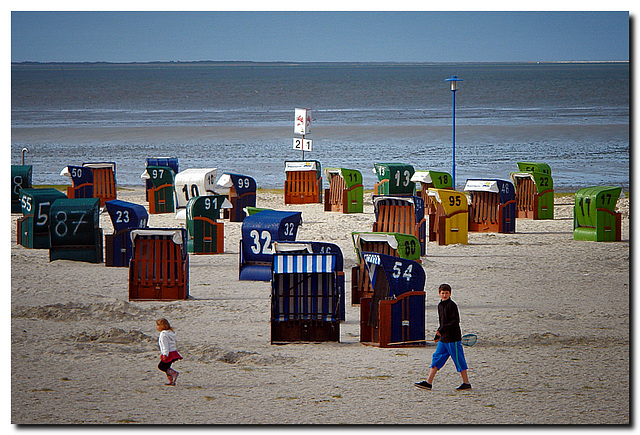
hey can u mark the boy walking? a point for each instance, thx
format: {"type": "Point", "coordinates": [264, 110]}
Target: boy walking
{"type": "Point", "coordinates": [449, 341]}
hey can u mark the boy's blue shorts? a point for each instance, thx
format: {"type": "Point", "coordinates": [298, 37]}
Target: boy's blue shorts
{"type": "Point", "coordinates": [446, 350]}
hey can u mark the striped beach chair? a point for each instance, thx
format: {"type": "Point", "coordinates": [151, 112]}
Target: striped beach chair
{"type": "Point", "coordinates": [307, 292]}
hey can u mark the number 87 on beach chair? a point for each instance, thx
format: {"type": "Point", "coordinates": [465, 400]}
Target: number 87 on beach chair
{"type": "Point", "coordinates": [395, 315]}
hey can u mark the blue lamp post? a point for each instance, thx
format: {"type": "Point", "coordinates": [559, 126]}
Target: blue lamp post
{"type": "Point", "coordinates": [454, 80]}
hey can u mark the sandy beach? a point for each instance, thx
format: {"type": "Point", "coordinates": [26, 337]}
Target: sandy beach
{"type": "Point", "coordinates": [552, 315]}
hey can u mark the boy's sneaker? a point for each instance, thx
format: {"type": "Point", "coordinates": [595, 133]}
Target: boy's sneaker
{"type": "Point", "coordinates": [424, 385]}
{"type": "Point", "coordinates": [464, 387]}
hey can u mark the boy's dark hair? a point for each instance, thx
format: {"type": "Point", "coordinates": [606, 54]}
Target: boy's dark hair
{"type": "Point", "coordinates": [444, 287]}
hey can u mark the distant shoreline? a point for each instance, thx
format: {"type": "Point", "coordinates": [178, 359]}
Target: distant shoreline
{"type": "Point", "coordinates": [303, 64]}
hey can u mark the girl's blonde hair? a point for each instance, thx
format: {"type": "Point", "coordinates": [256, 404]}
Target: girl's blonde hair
{"type": "Point", "coordinates": [164, 324]}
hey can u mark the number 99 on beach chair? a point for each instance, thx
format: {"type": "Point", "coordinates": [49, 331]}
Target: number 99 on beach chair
{"type": "Point", "coordinates": [534, 191]}
{"type": "Point", "coordinates": [75, 230]}
{"type": "Point", "coordinates": [345, 193]}
{"type": "Point", "coordinates": [125, 216]}
{"type": "Point", "coordinates": [395, 244]}
{"type": "Point", "coordinates": [33, 227]}
{"type": "Point", "coordinates": [395, 315]}
{"type": "Point", "coordinates": [594, 215]}
{"type": "Point", "coordinates": [493, 206]}
{"type": "Point", "coordinates": [401, 214]}
{"type": "Point", "coordinates": [170, 162]}
{"type": "Point", "coordinates": [449, 223]}
{"type": "Point", "coordinates": [303, 184]}
{"type": "Point", "coordinates": [394, 179]}
{"type": "Point", "coordinates": [259, 231]}
{"type": "Point", "coordinates": [307, 292]}
{"type": "Point", "coordinates": [159, 268]}
{"type": "Point", "coordinates": [20, 179]}
{"type": "Point", "coordinates": [241, 190]}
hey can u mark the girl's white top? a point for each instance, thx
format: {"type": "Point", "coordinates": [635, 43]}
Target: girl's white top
{"type": "Point", "coordinates": [167, 341]}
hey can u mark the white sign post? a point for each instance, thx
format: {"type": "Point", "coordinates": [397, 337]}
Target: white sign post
{"type": "Point", "coordinates": [302, 126]}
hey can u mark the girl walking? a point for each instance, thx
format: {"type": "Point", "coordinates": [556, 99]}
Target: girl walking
{"type": "Point", "coordinates": [168, 350]}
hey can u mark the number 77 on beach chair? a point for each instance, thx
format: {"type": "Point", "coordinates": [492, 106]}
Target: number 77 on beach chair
{"type": "Point", "coordinates": [303, 184]}
{"type": "Point", "coordinates": [345, 193]}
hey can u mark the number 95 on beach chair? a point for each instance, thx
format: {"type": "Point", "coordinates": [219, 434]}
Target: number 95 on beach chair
{"type": "Point", "coordinates": [395, 315]}
{"type": "Point", "coordinates": [125, 216]}
{"type": "Point", "coordinates": [259, 231]}
{"type": "Point", "coordinates": [345, 193]}
{"type": "Point", "coordinates": [75, 230]}
{"type": "Point", "coordinates": [449, 221]}
{"type": "Point", "coordinates": [395, 244]}
{"type": "Point", "coordinates": [534, 191]}
{"type": "Point", "coordinates": [307, 292]}
{"type": "Point", "coordinates": [303, 184]}
{"type": "Point", "coordinates": [594, 215]}
{"type": "Point", "coordinates": [493, 206]}
{"type": "Point", "coordinates": [159, 268]}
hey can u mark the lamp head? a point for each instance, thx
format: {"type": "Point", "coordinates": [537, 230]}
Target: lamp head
{"type": "Point", "coordinates": [453, 80]}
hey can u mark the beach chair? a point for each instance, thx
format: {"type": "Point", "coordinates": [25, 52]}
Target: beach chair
{"type": "Point", "coordinates": [194, 182]}
{"type": "Point", "coordinates": [92, 180]}
{"type": "Point", "coordinates": [493, 206]}
{"type": "Point", "coordinates": [394, 244]}
{"type": "Point", "coordinates": [259, 231]}
{"type": "Point", "coordinates": [449, 223]}
{"type": "Point", "coordinates": [160, 195]}
{"type": "Point", "coordinates": [401, 215]}
{"type": "Point", "coordinates": [21, 176]}
{"type": "Point", "coordinates": [594, 215]}
{"type": "Point", "coordinates": [534, 191]}
{"type": "Point", "coordinates": [241, 191]}
{"type": "Point", "coordinates": [125, 216]}
{"type": "Point", "coordinates": [395, 315]}
{"type": "Point", "coordinates": [75, 230]}
{"type": "Point", "coordinates": [307, 292]}
{"type": "Point", "coordinates": [159, 268]}
{"type": "Point", "coordinates": [345, 193]}
{"type": "Point", "coordinates": [426, 180]}
{"type": "Point", "coordinates": [205, 235]}
{"type": "Point", "coordinates": [303, 184]}
{"type": "Point", "coordinates": [32, 229]}
{"type": "Point", "coordinates": [171, 162]}
{"type": "Point", "coordinates": [394, 179]}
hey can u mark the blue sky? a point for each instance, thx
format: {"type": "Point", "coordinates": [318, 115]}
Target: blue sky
{"type": "Point", "coordinates": [355, 36]}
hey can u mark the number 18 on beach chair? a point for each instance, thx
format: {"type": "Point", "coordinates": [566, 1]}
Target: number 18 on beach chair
{"type": "Point", "coordinates": [125, 216]}
{"type": "Point", "coordinates": [594, 215]}
{"type": "Point", "coordinates": [303, 184]}
{"type": "Point", "coordinates": [159, 268]}
{"type": "Point", "coordinates": [534, 191]}
{"type": "Point", "coordinates": [493, 206]}
{"type": "Point", "coordinates": [75, 230]}
{"type": "Point", "coordinates": [395, 315]}
{"type": "Point", "coordinates": [345, 193]}
{"type": "Point", "coordinates": [307, 292]}
{"type": "Point", "coordinates": [395, 244]}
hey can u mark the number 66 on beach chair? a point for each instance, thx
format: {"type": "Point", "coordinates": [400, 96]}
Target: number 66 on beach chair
{"type": "Point", "coordinates": [395, 315]}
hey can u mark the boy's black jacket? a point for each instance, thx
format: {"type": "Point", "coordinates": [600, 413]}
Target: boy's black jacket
{"type": "Point", "coordinates": [449, 322]}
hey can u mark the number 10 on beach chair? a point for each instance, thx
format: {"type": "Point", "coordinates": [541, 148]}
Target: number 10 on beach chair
{"type": "Point", "coordinates": [395, 315]}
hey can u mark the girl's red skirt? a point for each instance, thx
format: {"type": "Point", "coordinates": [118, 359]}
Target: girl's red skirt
{"type": "Point", "coordinates": [173, 356]}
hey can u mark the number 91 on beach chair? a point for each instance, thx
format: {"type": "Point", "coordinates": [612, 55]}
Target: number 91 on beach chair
{"type": "Point", "coordinates": [205, 234]}
{"type": "Point", "coordinates": [159, 268]}
{"type": "Point", "coordinates": [307, 292]}
{"type": "Point", "coordinates": [594, 215]}
{"type": "Point", "coordinates": [395, 315]}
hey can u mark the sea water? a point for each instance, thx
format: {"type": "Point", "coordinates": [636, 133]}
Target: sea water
{"type": "Point", "coordinates": [239, 117]}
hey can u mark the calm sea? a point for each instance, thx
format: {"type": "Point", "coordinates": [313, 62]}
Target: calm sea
{"type": "Point", "coordinates": [239, 118]}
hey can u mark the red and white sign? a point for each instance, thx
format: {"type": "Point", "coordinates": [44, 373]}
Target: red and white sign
{"type": "Point", "coordinates": [302, 122]}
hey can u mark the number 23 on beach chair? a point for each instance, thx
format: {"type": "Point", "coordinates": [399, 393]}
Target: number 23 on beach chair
{"type": "Point", "coordinates": [401, 214]}
{"type": "Point", "coordinates": [493, 206]}
{"type": "Point", "coordinates": [395, 315]}
{"type": "Point", "coordinates": [125, 216]}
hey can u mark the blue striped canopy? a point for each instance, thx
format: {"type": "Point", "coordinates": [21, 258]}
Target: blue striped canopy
{"type": "Point", "coordinates": [303, 263]}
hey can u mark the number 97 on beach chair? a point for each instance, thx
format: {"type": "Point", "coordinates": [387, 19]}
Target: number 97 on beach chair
{"type": "Point", "coordinates": [594, 215]}
{"type": "Point", "coordinates": [160, 195]}
{"type": "Point", "coordinates": [395, 315]}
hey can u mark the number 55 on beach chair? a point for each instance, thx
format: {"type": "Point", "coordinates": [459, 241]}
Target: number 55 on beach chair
{"type": "Point", "coordinates": [259, 231]}
{"type": "Point", "coordinates": [307, 292]}
{"type": "Point", "coordinates": [534, 191]}
{"type": "Point", "coordinates": [395, 244]}
{"type": "Point", "coordinates": [304, 182]}
{"type": "Point", "coordinates": [125, 216]}
{"type": "Point", "coordinates": [33, 227]}
{"type": "Point", "coordinates": [493, 206]}
{"type": "Point", "coordinates": [395, 315]}
{"type": "Point", "coordinates": [345, 193]}
{"type": "Point", "coordinates": [594, 215]}
{"type": "Point", "coordinates": [396, 214]}
{"type": "Point", "coordinates": [159, 268]}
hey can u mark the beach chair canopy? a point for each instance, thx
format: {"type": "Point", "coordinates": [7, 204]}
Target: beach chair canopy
{"type": "Point", "coordinates": [504, 188]}
{"type": "Point", "coordinates": [241, 183]}
{"type": "Point", "coordinates": [438, 180]}
{"type": "Point", "coordinates": [534, 167]}
{"type": "Point", "coordinates": [194, 182]}
{"type": "Point", "coordinates": [403, 275]}
{"type": "Point", "coordinates": [126, 215]}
